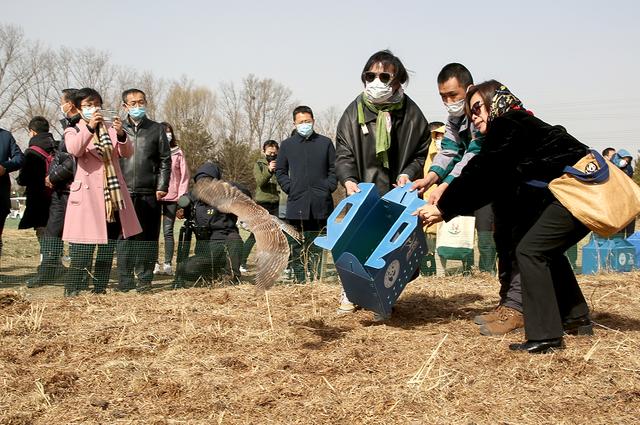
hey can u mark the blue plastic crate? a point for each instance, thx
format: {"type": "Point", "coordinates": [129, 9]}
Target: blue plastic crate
{"type": "Point", "coordinates": [607, 254]}
{"type": "Point", "coordinates": [635, 241]}
{"type": "Point", "coordinates": [376, 245]}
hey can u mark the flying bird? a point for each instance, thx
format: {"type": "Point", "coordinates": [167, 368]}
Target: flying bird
{"type": "Point", "coordinates": [272, 245]}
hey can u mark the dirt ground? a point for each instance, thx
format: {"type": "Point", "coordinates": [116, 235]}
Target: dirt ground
{"type": "Point", "coordinates": [225, 355]}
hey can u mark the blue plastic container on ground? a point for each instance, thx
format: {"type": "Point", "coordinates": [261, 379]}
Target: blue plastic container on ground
{"type": "Point", "coordinates": [635, 241]}
{"type": "Point", "coordinates": [607, 254]}
{"type": "Point", "coordinates": [376, 245]}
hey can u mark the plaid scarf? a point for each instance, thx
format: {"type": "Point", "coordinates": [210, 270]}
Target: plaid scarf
{"type": "Point", "coordinates": [112, 195]}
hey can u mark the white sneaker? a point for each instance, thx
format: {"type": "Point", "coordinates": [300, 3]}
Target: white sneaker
{"type": "Point", "coordinates": [243, 269]}
{"type": "Point", "coordinates": [166, 269]}
{"type": "Point", "coordinates": [345, 306]}
{"type": "Point", "coordinates": [157, 269]}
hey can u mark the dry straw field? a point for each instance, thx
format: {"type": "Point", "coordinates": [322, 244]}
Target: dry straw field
{"type": "Point", "coordinates": [224, 355]}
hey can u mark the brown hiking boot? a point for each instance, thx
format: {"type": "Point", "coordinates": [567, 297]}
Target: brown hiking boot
{"type": "Point", "coordinates": [509, 320]}
{"type": "Point", "coordinates": [489, 317]}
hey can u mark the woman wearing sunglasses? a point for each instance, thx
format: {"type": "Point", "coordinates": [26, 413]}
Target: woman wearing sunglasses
{"type": "Point", "coordinates": [517, 149]}
{"type": "Point", "coordinates": [383, 136]}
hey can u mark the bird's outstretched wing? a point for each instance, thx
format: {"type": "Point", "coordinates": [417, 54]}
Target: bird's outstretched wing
{"type": "Point", "coordinates": [272, 245]}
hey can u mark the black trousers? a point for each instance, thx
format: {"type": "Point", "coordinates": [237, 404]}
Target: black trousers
{"type": "Point", "coordinates": [550, 291]}
{"type": "Point", "coordinates": [140, 252]}
{"type": "Point", "coordinates": [306, 257]}
{"type": "Point", "coordinates": [213, 259]}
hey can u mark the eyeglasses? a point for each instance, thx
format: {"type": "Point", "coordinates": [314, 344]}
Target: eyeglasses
{"type": "Point", "coordinates": [477, 108]}
{"type": "Point", "coordinates": [134, 103]}
{"type": "Point", "coordinates": [384, 77]}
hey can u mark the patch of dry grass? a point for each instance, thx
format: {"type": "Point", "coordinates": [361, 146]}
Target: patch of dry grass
{"type": "Point", "coordinates": [220, 356]}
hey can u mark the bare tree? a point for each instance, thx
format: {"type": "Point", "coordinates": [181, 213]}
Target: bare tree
{"type": "Point", "coordinates": [258, 111]}
{"type": "Point", "coordinates": [190, 110]}
{"type": "Point", "coordinates": [267, 105]}
{"type": "Point", "coordinates": [230, 116]}
{"type": "Point", "coordinates": [41, 96]}
{"type": "Point", "coordinates": [15, 73]}
{"type": "Point", "coordinates": [326, 122]}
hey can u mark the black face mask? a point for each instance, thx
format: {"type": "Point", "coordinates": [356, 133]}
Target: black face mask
{"type": "Point", "coordinates": [271, 157]}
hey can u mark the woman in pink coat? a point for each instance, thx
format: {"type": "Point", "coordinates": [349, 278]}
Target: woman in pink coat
{"type": "Point", "coordinates": [178, 186]}
{"type": "Point", "coordinates": [99, 210]}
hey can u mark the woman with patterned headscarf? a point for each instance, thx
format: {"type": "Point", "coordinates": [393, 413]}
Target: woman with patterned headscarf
{"type": "Point", "coordinates": [519, 148]}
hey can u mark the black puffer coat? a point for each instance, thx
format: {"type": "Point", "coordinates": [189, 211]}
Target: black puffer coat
{"type": "Point", "coordinates": [32, 176]}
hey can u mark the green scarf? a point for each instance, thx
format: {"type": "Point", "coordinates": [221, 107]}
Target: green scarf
{"type": "Point", "coordinates": [383, 131]}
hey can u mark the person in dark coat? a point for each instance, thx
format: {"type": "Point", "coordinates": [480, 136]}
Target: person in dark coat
{"type": "Point", "coordinates": [305, 169]}
{"type": "Point", "coordinates": [32, 175]}
{"type": "Point", "coordinates": [382, 136]}
{"type": "Point", "coordinates": [61, 172]}
{"type": "Point", "coordinates": [11, 159]}
{"type": "Point", "coordinates": [218, 247]}
{"type": "Point", "coordinates": [518, 149]}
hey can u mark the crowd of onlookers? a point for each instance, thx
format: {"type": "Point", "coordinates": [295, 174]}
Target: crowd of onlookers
{"type": "Point", "coordinates": [106, 185]}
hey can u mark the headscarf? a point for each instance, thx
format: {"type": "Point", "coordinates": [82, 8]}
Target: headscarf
{"type": "Point", "coordinates": [502, 102]}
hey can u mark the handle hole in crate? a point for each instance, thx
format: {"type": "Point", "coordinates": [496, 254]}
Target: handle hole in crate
{"type": "Point", "coordinates": [398, 232]}
{"type": "Point", "coordinates": [343, 213]}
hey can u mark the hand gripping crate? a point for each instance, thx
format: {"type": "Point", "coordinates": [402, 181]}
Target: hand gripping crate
{"type": "Point", "coordinates": [376, 245]}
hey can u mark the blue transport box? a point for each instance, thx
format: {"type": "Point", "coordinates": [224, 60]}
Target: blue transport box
{"type": "Point", "coordinates": [376, 245]}
{"type": "Point", "coordinates": [607, 254]}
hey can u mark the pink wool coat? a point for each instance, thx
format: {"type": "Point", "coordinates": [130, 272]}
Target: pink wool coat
{"type": "Point", "coordinates": [179, 182]}
{"type": "Point", "coordinates": [86, 218]}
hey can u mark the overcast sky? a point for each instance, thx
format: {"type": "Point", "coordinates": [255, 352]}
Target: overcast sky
{"type": "Point", "coordinates": [574, 63]}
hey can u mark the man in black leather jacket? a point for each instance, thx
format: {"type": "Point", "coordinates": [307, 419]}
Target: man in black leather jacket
{"type": "Point", "coordinates": [147, 175]}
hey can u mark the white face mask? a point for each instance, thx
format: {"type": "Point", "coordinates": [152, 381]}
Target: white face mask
{"type": "Point", "coordinates": [169, 136]}
{"type": "Point", "coordinates": [377, 91]}
{"type": "Point", "coordinates": [623, 163]}
{"type": "Point", "coordinates": [455, 109]}
{"type": "Point", "coordinates": [439, 144]}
